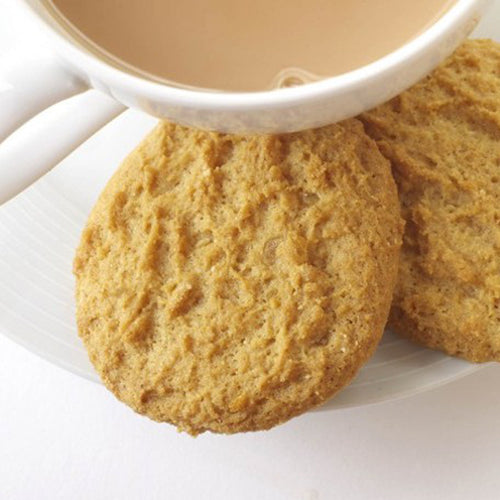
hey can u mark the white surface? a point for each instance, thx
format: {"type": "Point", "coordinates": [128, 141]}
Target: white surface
{"type": "Point", "coordinates": [63, 437]}
{"type": "Point", "coordinates": [283, 110]}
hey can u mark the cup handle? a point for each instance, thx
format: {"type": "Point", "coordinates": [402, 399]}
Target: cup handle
{"type": "Point", "coordinates": [28, 86]}
{"type": "Point", "coordinates": [29, 83]}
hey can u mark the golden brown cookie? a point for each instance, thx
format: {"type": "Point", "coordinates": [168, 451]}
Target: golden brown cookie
{"type": "Point", "coordinates": [228, 283]}
{"type": "Point", "coordinates": [443, 139]}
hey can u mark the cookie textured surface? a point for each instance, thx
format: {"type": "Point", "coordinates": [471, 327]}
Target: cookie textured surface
{"type": "Point", "coordinates": [443, 139]}
{"type": "Point", "coordinates": [228, 283]}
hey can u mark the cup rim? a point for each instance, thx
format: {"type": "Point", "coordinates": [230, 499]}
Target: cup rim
{"type": "Point", "coordinates": [276, 98]}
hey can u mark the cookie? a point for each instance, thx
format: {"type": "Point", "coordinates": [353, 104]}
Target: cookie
{"type": "Point", "coordinates": [443, 139]}
{"type": "Point", "coordinates": [228, 283]}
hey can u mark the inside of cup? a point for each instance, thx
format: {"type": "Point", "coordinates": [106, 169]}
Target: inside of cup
{"type": "Point", "coordinates": [284, 78]}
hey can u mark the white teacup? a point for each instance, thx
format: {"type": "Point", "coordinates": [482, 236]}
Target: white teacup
{"type": "Point", "coordinates": [74, 68]}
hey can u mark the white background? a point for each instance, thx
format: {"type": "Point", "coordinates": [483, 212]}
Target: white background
{"type": "Point", "coordinates": [62, 437]}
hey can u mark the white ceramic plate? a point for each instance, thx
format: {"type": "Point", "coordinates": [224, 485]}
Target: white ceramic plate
{"type": "Point", "coordinates": [39, 231]}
